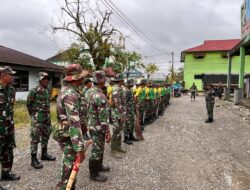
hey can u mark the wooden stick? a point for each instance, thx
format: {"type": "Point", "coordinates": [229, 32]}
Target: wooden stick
{"type": "Point", "coordinates": [76, 166]}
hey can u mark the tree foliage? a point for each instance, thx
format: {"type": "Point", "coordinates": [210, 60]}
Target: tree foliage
{"type": "Point", "coordinates": [76, 54]}
{"type": "Point", "coordinates": [175, 75]}
{"type": "Point", "coordinates": [150, 69]}
{"type": "Point", "coordinates": [89, 25]}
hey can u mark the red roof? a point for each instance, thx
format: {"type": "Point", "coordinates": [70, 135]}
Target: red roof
{"type": "Point", "coordinates": [215, 45]}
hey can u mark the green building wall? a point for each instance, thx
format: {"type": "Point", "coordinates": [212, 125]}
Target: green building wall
{"type": "Point", "coordinates": [212, 63]}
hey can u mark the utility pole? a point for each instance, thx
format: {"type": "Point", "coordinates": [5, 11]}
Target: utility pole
{"type": "Point", "coordinates": [172, 67]}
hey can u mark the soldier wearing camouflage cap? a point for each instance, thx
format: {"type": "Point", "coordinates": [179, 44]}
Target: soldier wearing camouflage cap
{"type": "Point", "coordinates": [70, 115]}
{"type": "Point", "coordinates": [130, 113]}
{"type": "Point", "coordinates": [98, 126]}
{"type": "Point", "coordinates": [7, 132]}
{"type": "Point", "coordinates": [38, 105]}
{"type": "Point", "coordinates": [117, 114]}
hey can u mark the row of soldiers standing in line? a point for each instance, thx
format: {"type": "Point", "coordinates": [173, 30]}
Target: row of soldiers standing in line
{"type": "Point", "coordinates": [79, 112]}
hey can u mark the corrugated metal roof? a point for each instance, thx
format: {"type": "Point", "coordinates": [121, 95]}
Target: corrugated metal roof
{"type": "Point", "coordinates": [215, 45]}
{"type": "Point", "coordinates": [14, 57]}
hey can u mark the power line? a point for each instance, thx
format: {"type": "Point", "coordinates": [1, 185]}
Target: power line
{"type": "Point", "coordinates": [134, 29]}
{"type": "Point", "coordinates": [133, 24]}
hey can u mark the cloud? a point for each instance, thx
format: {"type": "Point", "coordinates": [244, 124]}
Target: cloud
{"type": "Point", "coordinates": [172, 25]}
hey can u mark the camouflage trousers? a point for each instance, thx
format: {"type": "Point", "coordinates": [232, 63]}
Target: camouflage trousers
{"type": "Point", "coordinates": [142, 110]}
{"type": "Point", "coordinates": [161, 105]}
{"type": "Point", "coordinates": [117, 134]}
{"type": "Point", "coordinates": [68, 158]}
{"type": "Point", "coordinates": [98, 145]}
{"type": "Point", "coordinates": [7, 144]}
{"type": "Point", "coordinates": [193, 95]}
{"type": "Point", "coordinates": [149, 109]}
{"type": "Point", "coordinates": [117, 128]}
{"type": "Point", "coordinates": [40, 131]}
{"type": "Point", "coordinates": [156, 106]}
{"type": "Point", "coordinates": [167, 99]}
{"type": "Point", "coordinates": [210, 109]}
{"type": "Point", "coordinates": [130, 124]}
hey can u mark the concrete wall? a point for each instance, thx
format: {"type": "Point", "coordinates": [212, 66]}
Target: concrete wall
{"type": "Point", "coordinates": [33, 73]}
{"type": "Point", "coordinates": [212, 63]}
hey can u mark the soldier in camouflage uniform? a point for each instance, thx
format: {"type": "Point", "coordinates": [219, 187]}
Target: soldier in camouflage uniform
{"type": "Point", "coordinates": [140, 97]}
{"type": "Point", "coordinates": [69, 115]}
{"type": "Point", "coordinates": [87, 86]}
{"type": "Point", "coordinates": [130, 113]}
{"type": "Point", "coordinates": [7, 136]}
{"type": "Point", "coordinates": [209, 97]}
{"type": "Point", "coordinates": [98, 126]}
{"type": "Point", "coordinates": [117, 114]}
{"type": "Point", "coordinates": [38, 105]}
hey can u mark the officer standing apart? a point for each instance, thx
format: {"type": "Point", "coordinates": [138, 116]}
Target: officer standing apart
{"type": "Point", "coordinates": [193, 90]}
{"type": "Point", "coordinates": [7, 131]}
{"type": "Point", "coordinates": [38, 105]}
{"type": "Point", "coordinates": [209, 96]}
{"type": "Point", "coordinates": [69, 115]}
{"type": "Point", "coordinates": [98, 126]}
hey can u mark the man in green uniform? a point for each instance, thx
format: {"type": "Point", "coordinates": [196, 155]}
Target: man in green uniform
{"type": "Point", "coordinates": [117, 114]}
{"type": "Point", "coordinates": [69, 115]}
{"type": "Point", "coordinates": [193, 90]}
{"type": "Point", "coordinates": [38, 105]}
{"type": "Point", "coordinates": [98, 126]}
{"type": "Point", "coordinates": [7, 131]}
{"type": "Point", "coordinates": [130, 113]}
{"type": "Point", "coordinates": [209, 97]}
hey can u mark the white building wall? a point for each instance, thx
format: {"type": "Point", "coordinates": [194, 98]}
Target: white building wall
{"type": "Point", "coordinates": [33, 74]}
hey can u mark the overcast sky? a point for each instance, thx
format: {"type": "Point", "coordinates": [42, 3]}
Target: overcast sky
{"type": "Point", "coordinates": [172, 25]}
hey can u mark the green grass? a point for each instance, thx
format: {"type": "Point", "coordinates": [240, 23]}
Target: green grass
{"type": "Point", "coordinates": [21, 115]}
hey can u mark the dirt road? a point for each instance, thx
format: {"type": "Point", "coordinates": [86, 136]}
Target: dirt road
{"type": "Point", "coordinates": [180, 152]}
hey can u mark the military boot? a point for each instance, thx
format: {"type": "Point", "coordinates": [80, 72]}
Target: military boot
{"type": "Point", "coordinates": [119, 145]}
{"type": "Point", "coordinates": [46, 156]}
{"type": "Point", "coordinates": [127, 140]}
{"type": "Point", "coordinates": [209, 120]}
{"type": "Point", "coordinates": [132, 137]}
{"type": "Point", "coordinates": [114, 152]}
{"type": "Point", "coordinates": [8, 176]}
{"type": "Point", "coordinates": [103, 168]}
{"type": "Point", "coordinates": [35, 163]}
{"type": "Point", "coordinates": [94, 171]}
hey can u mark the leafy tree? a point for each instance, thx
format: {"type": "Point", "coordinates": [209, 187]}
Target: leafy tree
{"type": "Point", "coordinates": [133, 62]}
{"type": "Point", "coordinates": [90, 26]}
{"type": "Point", "coordinates": [76, 54]}
{"type": "Point", "coordinates": [150, 69]}
{"type": "Point", "coordinates": [175, 75]}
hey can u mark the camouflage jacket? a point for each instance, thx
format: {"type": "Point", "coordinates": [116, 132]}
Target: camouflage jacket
{"type": "Point", "coordinates": [130, 106]}
{"type": "Point", "coordinates": [38, 101]}
{"type": "Point", "coordinates": [210, 95]}
{"type": "Point", "coordinates": [69, 105]}
{"type": "Point", "coordinates": [117, 98]}
{"type": "Point", "coordinates": [97, 110]}
{"type": "Point", "coordinates": [124, 100]}
{"type": "Point", "coordinates": [7, 98]}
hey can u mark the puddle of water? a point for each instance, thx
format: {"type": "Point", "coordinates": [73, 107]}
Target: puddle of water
{"type": "Point", "coordinates": [241, 181]}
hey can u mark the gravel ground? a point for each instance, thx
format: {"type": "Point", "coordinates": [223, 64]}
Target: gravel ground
{"type": "Point", "coordinates": [180, 152]}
